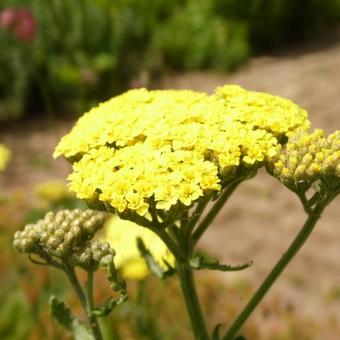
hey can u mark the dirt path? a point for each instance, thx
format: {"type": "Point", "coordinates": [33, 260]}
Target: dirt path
{"type": "Point", "coordinates": [262, 217]}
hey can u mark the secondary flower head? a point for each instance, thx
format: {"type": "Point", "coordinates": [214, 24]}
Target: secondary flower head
{"type": "Point", "coordinates": [161, 149]}
{"type": "Point", "coordinates": [66, 235]}
{"type": "Point", "coordinates": [308, 157]}
{"type": "Point", "coordinates": [123, 236]}
{"type": "Point", "coordinates": [5, 156]}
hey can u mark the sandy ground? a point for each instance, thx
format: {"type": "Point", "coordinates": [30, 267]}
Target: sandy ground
{"type": "Point", "coordinates": [262, 217]}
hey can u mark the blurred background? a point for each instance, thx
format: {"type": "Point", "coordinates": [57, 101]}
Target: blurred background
{"type": "Point", "coordinates": [58, 58]}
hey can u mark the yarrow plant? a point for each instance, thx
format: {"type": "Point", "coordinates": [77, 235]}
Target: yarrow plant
{"type": "Point", "coordinates": [158, 158]}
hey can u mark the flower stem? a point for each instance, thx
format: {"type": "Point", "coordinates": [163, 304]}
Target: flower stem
{"type": "Point", "coordinates": [277, 270]}
{"type": "Point", "coordinates": [90, 307]}
{"type": "Point", "coordinates": [186, 277]}
{"type": "Point", "coordinates": [173, 247]}
{"type": "Point", "coordinates": [71, 275]}
{"type": "Point", "coordinates": [89, 291]}
{"type": "Point", "coordinates": [202, 227]}
{"type": "Point", "coordinates": [83, 299]}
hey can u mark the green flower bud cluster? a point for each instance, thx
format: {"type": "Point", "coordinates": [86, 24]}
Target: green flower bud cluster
{"type": "Point", "coordinates": [93, 255]}
{"type": "Point", "coordinates": [307, 158]}
{"type": "Point", "coordinates": [66, 235]}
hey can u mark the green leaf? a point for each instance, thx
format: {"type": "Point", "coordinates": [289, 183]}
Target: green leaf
{"type": "Point", "coordinates": [63, 315]}
{"type": "Point", "coordinates": [117, 285]}
{"type": "Point", "coordinates": [198, 264]}
{"type": "Point", "coordinates": [106, 308]}
{"type": "Point", "coordinates": [152, 264]}
{"type": "Point", "coordinates": [16, 314]}
{"type": "Point", "coordinates": [216, 332]}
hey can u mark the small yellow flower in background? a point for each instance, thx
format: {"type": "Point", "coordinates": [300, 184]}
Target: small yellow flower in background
{"type": "Point", "coordinates": [5, 156]}
{"type": "Point", "coordinates": [52, 191]}
{"type": "Point", "coordinates": [122, 236]}
{"type": "Point", "coordinates": [170, 147]}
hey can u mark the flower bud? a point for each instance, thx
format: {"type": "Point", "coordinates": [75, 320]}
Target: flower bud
{"type": "Point", "coordinates": [49, 217]}
{"type": "Point", "coordinates": [61, 250]}
{"type": "Point", "coordinates": [62, 234]}
{"type": "Point", "coordinates": [53, 242]}
{"type": "Point", "coordinates": [307, 158]}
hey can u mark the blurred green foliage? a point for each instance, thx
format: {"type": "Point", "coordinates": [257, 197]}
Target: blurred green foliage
{"type": "Point", "coordinates": [15, 307]}
{"type": "Point", "coordinates": [273, 22]}
{"type": "Point", "coordinates": [86, 51]}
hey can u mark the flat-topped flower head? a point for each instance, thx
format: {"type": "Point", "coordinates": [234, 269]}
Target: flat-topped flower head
{"type": "Point", "coordinates": [166, 148]}
{"type": "Point", "coordinates": [307, 158]}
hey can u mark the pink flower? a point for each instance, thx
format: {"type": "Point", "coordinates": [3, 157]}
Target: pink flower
{"type": "Point", "coordinates": [7, 18]}
{"type": "Point", "coordinates": [26, 27]}
{"type": "Point", "coordinates": [20, 22]}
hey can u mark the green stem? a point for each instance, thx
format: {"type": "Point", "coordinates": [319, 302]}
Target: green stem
{"type": "Point", "coordinates": [186, 277]}
{"type": "Point", "coordinates": [90, 307]}
{"type": "Point", "coordinates": [83, 300]}
{"type": "Point", "coordinates": [191, 223]}
{"type": "Point", "coordinates": [173, 247]}
{"type": "Point", "coordinates": [277, 270]}
{"type": "Point", "coordinates": [202, 227]}
{"type": "Point", "coordinates": [89, 292]}
{"type": "Point", "coordinates": [184, 232]}
{"type": "Point", "coordinates": [159, 230]}
{"type": "Point", "coordinates": [76, 286]}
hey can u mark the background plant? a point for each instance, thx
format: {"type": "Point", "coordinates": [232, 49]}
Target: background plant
{"type": "Point", "coordinates": [66, 66]}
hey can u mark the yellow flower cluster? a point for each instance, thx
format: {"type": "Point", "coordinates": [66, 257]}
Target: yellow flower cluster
{"type": "Point", "coordinates": [278, 115]}
{"type": "Point", "coordinates": [308, 157]}
{"type": "Point", "coordinates": [5, 156]}
{"type": "Point", "coordinates": [122, 235]}
{"type": "Point", "coordinates": [173, 146]}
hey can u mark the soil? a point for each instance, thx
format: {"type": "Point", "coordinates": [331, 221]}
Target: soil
{"type": "Point", "coordinates": [262, 217]}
